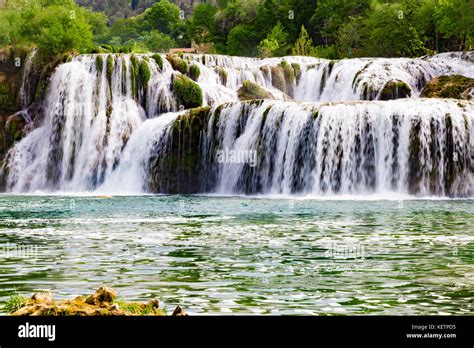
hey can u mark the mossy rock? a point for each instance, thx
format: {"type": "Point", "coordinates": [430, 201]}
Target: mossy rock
{"type": "Point", "coordinates": [222, 75]}
{"type": "Point", "coordinates": [297, 71]}
{"type": "Point", "coordinates": [251, 91]}
{"type": "Point", "coordinates": [14, 129]}
{"type": "Point", "coordinates": [194, 72]}
{"type": "Point", "coordinates": [395, 89]}
{"type": "Point", "coordinates": [158, 60]}
{"type": "Point", "coordinates": [290, 77]}
{"type": "Point", "coordinates": [99, 62]}
{"type": "Point", "coordinates": [188, 93]}
{"type": "Point", "coordinates": [288, 72]}
{"type": "Point", "coordinates": [455, 86]}
{"type": "Point", "coordinates": [145, 73]}
{"type": "Point", "coordinates": [102, 303]}
{"type": "Point", "coordinates": [7, 97]}
{"type": "Point", "coordinates": [178, 63]}
{"type": "Point", "coordinates": [110, 68]}
{"type": "Point", "coordinates": [278, 78]}
{"type": "Point", "coordinates": [178, 170]}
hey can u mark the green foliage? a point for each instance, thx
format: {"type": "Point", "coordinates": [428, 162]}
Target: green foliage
{"type": "Point", "coordinates": [325, 28]}
{"type": "Point", "coordinates": [275, 44]}
{"type": "Point", "coordinates": [202, 25]}
{"type": "Point", "coordinates": [327, 52]}
{"type": "Point", "coordinates": [456, 20]}
{"type": "Point", "coordinates": [54, 26]}
{"type": "Point", "coordinates": [162, 16]}
{"type": "Point", "coordinates": [188, 93]}
{"type": "Point", "coordinates": [392, 32]}
{"type": "Point", "coordinates": [242, 40]}
{"type": "Point", "coordinates": [194, 72]}
{"type": "Point", "coordinates": [304, 44]}
{"type": "Point", "coordinates": [158, 42]}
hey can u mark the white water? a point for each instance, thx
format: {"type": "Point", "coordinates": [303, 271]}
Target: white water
{"type": "Point", "coordinates": [98, 135]}
{"type": "Point", "coordinates": [25, 88]}
{"type": "Point", "coordinates": [348, 148]}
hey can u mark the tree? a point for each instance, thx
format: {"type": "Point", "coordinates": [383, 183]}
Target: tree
{"type": "Point", "coordinates": [456, 20]}
{"type": "Point", "coordinates": [242, 41]}
{"type": "Point", "coordinates": [163, 16]}
{"type": "Point", "coordinates": [392, 33]}
{"type": "Point", "coordinates": [59, 29]}
{"type": "Point", "coordinates": [203, 22]}
{"type": "Point", "coordinates": [158, 42]}
{"type": "Point", "coordinates": [275, 44]}
{"type": "Point", "coordinates": [304, 44]}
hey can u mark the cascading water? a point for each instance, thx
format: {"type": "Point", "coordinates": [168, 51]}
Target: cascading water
{"type": "Point", "coordinates": [106, 129]}
{"type": "Point", "coordinates": [422, 147]}
{"type": "Point", "coordinates": [25, 88]}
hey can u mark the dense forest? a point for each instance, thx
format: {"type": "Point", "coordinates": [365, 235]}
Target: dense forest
{"type": "Point", "coordinates": [322, 28]}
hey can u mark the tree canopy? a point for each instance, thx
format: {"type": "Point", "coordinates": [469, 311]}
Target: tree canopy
{"type": "Point", "coordinates": [323, 28]}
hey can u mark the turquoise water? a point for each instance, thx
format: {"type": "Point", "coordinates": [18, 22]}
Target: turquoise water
{"type": "Point", "coordinates": [235, 255]}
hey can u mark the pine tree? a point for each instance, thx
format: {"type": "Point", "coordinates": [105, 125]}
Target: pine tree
{"type": "Point", "coordinates": [304, 44]}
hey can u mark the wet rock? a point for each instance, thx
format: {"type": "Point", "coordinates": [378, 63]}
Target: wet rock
{"type": "Point", "coordinates": [455, 86]}
{"type": "Point", "coordinates": [102, 303]}
{"type": "Point", "coordinates": [251, 91]}
{"type": "Point", "coordinates": [188, 93]}
{"type": "Point", "coordinates": [102, 295]}
{"type": "Point", "coordinates": [179, 312]}
{"type": "Point", "coordinates": [45, 298]}
{"type": "Point", "coordinates": [395, 89]}
{"type": "Point", "coordinates": [154, 303]}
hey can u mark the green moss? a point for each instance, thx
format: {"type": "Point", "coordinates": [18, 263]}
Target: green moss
{"type": "Point", "coordinates": [278, 78]}
{"type": "Point", "coordinates": [223, 75]}
{"type": "Point", "coordinates": [455, 86]}
{"type": "Point", "coordinates": [297, 70]}
{"type": "Point", "coordinates": [99, 62]}
{"type": "Point", "coordinates": [158, 60]}
{"type": "Point", "coordinates": [131, 308]}
{"type": "Point", "coordinates": [145, 73]}
{"type": "Point", "coordinates": [251, 91]}
{"type": "Point", "coordinates": [188, 93]}
{"type": "Point", "coordinates": [395, 89]}
{"type": "Point", "coordinates": [288, 72]}
{"type": "Point", "coordinates": [194, 72]}
{"type": "Point", "coordinates": [7, 96]}
{"type": "Point", "coordinates": [110, 68]}
{"type": "Point", "coordinates": [178, 64]}
{"type": "Point", "coordinates": [135, 68]}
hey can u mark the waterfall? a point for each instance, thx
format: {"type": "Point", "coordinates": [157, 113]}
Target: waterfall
{"type": "Point", "coordinates": [422, 147]}
{"type": "Point", "coordinates": [25, 88]}
{"type": "Point", "coordinates": [107, 128]}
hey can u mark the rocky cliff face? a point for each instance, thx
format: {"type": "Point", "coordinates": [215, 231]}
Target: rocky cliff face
{"type": "Point", "coordinates": [11, 125]}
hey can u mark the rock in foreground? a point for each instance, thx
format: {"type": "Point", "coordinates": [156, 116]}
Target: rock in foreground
{"type": "Point", "coordinates": [103, 302]}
